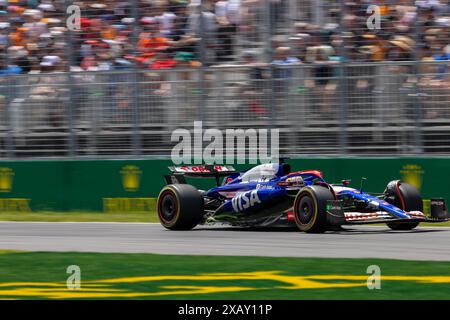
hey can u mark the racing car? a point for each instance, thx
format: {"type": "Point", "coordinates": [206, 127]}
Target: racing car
{"type": "Point", "coordinates": [271, 195]}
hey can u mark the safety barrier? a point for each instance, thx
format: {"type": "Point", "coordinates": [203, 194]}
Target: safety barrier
{"type": "Point", "coordinates": [132, 185]}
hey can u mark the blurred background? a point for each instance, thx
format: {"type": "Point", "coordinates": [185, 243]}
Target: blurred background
{"type": "Point", "coordinates": [136, 70]}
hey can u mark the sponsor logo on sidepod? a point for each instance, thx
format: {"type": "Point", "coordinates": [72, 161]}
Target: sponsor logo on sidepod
{"type": "Point", "coordinates": [245, 200]}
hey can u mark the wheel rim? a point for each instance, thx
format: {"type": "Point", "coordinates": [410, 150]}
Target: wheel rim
{"type": "Point", "coordinates": [305, 210]}
{"type": "Point", "coordinates": [168, 208]}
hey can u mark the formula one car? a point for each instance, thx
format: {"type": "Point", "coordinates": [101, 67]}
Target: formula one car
{"type": "Point", "coordinates": [271, 195]}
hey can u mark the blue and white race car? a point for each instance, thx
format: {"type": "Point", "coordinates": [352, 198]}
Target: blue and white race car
{"type": "Point", "coordinates": [271, 195]}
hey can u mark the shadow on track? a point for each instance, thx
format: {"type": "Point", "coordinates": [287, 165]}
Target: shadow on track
{"type": "Point", "coordinates": [349, 230]}
{"type": "Point", "coordinates": [387, 231]}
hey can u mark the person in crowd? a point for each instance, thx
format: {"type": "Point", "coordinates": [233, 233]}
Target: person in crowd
{"type": "Point", "coordinates": [282, 74]}
{"type": "Point", "coordinates": [254, 88]}
{"type": "Point", "coordinates": [227, 15]}
{"type": "Point", "coordinates": [7, 69]}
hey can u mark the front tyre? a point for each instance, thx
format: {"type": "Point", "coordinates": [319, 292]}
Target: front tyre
{"type": "Point", "coordinates": [310, 212]}
{"type": "Point", "coordinates": [180, 207]}
{"type": "Point", "coordinates": [406, 197]}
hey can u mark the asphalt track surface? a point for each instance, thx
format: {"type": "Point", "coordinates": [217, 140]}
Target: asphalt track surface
{"type": "Point", "coordinates": [424, 243]}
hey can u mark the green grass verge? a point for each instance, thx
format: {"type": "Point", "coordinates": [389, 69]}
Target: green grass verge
{"type": "Point", "coordinates": [42, 275]}
{"type": "Point", "coordinates": [80, 217]}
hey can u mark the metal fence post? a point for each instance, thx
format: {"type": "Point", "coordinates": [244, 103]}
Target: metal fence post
{"type": "Point", "coordinates": [10, 146]}
{"type": "Point", "coordinates": [418, 107]}
{"type": "Point", "coordinates": [202, 81]}
{"type": "Point", "coordinates": [70, 117]}
{"type": "Point", "coordinates": [204, 62]}
{"type": "Point", "coordinates": [292, 7]}
{"type": "Point", "coordinates": [269, 57]}
{"type": "Point", "coordinates": [136, 135]}
{"type": "Point", "coordinates": [9, 139]}
{"type": "Point", "coordinates": [70, 102]}
{"type": "Point", "coordinates": [318, 12]}
{"type": "Point", "coordinates": [343, 92]}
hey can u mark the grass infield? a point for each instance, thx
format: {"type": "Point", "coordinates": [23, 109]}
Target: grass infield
{"type": "Point", "coordinates": [42, 275]}
{"type": "Point", "coordinates": [80, 217]}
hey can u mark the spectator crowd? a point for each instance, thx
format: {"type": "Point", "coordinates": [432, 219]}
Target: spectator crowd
{"type": "Point", "coordinates": [165, 34]}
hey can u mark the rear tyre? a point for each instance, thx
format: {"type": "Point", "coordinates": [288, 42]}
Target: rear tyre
{"type": "Point", "coordinates": [180, 207]}
{"type": "Point", "coordinates": [408, 198]}
{"type": "Point", "coordinates": [310, 213]}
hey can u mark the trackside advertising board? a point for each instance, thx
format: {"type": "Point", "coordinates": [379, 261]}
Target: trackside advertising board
{"type": "Point", "coordinates": [133, 185]}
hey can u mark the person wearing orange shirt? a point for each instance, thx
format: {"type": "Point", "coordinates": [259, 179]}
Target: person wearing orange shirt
{"type": "Point", "coordinates": [149, 41]}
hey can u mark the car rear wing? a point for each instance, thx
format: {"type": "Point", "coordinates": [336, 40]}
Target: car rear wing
{"type": "Point", "coordinates": [178, 173]}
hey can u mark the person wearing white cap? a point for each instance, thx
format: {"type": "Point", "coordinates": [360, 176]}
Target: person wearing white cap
{"type": "Point", "coordinates": [50, 61]}
{"type": "Point", "coordinates": [46, 7]}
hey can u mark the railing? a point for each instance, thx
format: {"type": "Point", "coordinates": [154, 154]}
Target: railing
{"type": "Point", "coordinates": [226, 58]}
{"type": "Point", "coordinates": [389, 108]}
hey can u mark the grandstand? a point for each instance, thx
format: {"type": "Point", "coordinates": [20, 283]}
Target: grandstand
{"type": "Point", "coordinates": [136, 70]}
